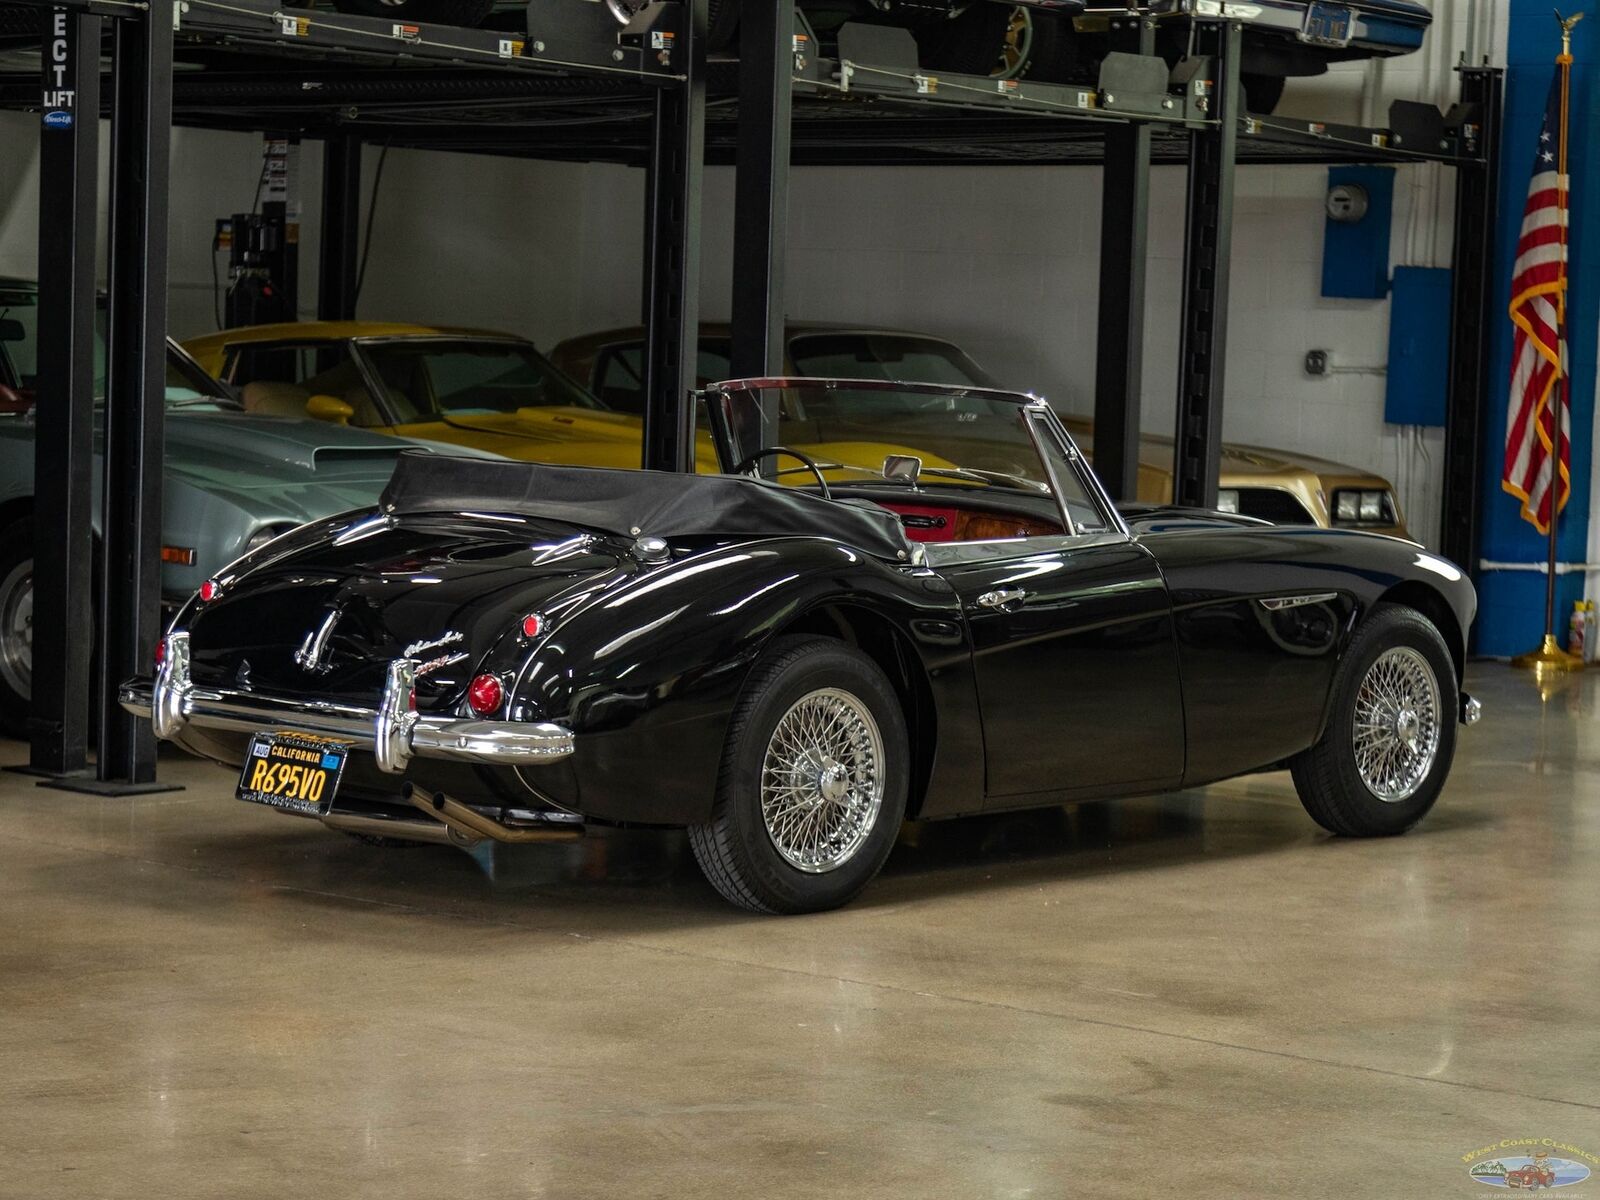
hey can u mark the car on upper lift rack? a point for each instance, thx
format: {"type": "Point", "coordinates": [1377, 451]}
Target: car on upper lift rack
{"type": "Point", "coordinates": [233, 481]}
{"type": "Point", "coordinates": [1057, 41]}
{"type": "Point", "coordinates": [1065, 42]}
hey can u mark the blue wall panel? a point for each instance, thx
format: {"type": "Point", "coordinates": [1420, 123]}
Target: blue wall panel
{"type": "Point", "coordinates": [1419, 347]}
{"type": "Point", "coordinates": [1355, 254]}
{"type": "Point", "coordinates": [1511, 604]}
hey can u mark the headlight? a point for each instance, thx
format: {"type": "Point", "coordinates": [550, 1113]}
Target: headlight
{"type": "Point", "coordinates": [1352, 506]}
{"type": "Point", "coordinates": [1228, 501]}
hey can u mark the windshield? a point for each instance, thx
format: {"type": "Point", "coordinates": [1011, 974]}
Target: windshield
{"type": "Point", "coordinates": [429, 377]}
{"type": "Point", "coordinates": [187, 386]}
{"type": "Point", "coordinates": [873, 439]}
{"type": "Point", "coordinates": [852, 354]}
{"type": "Point", "coordinates": [19, 331]}
{"type": "Point", "coordinates": [186, 383]}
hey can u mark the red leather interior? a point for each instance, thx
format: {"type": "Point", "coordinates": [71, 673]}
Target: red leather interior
{"type": "Point", "coordinates": [942, 523]}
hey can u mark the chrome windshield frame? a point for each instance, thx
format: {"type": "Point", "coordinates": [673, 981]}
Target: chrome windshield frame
{"type": "Point", "coordinates": [1035, 409]}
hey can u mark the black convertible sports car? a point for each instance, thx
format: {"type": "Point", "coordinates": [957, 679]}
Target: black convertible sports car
{"type": "Point", "coordinates": [904, 601]}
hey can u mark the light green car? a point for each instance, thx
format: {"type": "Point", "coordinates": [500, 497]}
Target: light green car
{"type": "Point", "coordinates": [232, 480]}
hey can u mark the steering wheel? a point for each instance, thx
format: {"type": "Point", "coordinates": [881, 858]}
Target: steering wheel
{"type": "Point", "coordinates": [751, 460]}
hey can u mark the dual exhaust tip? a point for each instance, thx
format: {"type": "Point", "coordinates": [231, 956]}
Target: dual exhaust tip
{"type": "Point", "coordinates": [471, 826]}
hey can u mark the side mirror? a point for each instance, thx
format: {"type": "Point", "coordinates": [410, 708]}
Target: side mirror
{"type": "Point", "coordinates": [329, 408]}
{"type": "Point", "coordinates": [902, 466]}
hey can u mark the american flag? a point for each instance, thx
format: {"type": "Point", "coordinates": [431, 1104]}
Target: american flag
{"type": "Point", "coordinates": [1538, 309]}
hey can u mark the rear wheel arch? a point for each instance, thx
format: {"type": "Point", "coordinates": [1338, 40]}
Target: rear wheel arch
{"type": "Point", "coordinates": [876, 636]}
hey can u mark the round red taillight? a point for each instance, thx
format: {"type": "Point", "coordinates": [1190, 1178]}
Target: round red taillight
{"type": "Point", "coordinates": [531, 624]}
{"type": "Point", "coordinates": [209, 590]}
{"type": "Point", "coordinates": [161, 652]}
{"type": "Point", "coordinates": [484, 695]}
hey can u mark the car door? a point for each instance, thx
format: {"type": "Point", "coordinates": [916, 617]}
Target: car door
{"type": "Point", "coordinates": [1073, 650]}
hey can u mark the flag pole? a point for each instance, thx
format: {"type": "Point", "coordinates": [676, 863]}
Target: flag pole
{"type": "Point", "coordinates": [1550, 656]}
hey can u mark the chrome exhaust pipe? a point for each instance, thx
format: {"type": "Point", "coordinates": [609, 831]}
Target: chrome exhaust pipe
{"type": "Point", "coordinates": [469, 822]}
{"type": "Point", "coordinates": [431, 832]}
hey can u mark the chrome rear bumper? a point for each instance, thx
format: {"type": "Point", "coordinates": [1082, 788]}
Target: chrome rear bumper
{"type": "Point", "coordinates": [394, 731]}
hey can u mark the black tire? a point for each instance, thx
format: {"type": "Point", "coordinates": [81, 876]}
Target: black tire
{"type": "Point", "coordinates": [16, 660]}
{"type": "Point", "coordinates": [1053, 49]}
{"type": "Point", "coordinates": [970, 43]}
{"type": "Point", "coordinates": [735, 850]}
{"type": "Point", "coordinates": [1327, 777]}
{"type": "Point", "coordinates": [469, 13]}
{"type": "Point", "coordinates": [1261, 92]}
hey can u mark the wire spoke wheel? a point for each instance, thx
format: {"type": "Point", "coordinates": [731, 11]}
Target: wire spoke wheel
{"type": "Point", "coordinates": [822, 780]}
{"type": "Point", "coordinates": [1395, 733]}
{"type": "Point", "coordinates": [16, 628]}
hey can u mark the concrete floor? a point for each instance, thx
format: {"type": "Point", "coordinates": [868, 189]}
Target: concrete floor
{"type": "Point", "coordinates": [1198, 995]}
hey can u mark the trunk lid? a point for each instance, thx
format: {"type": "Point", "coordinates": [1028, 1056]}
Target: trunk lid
{"type": "Point", "coordinates": [323, 620]}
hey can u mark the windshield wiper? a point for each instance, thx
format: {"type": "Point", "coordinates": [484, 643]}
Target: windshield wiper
{"type": "Point", "coordinates": [227, 402]}
{"type": "Point", "coordinates": [979, 476]}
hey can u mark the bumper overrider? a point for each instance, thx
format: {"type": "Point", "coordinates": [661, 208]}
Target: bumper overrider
{"type": "Point", "coordinates": [394, 732]}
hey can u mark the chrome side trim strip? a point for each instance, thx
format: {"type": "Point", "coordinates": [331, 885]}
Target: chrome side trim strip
{"type": "Point", "coordinates": [1277, 603]}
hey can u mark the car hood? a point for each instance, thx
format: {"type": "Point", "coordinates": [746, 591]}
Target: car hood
{"type": "Point", "coordinates": [1155, 454]}
{"type": "Point", "coordinates": [255, 451]}
{"type": "Point", "coordinates": [278, 469]}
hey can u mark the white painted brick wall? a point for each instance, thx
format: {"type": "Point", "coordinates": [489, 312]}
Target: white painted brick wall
{"type": "Point", "coordinates": [1003, 260]}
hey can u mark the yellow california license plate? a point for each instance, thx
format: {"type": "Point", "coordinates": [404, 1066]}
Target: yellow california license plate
{"type": "Point", "coordinates": [297, 772]}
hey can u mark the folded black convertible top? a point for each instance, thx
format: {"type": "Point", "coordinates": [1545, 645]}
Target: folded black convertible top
{"type": "Point", "coordinates": [633, 503]}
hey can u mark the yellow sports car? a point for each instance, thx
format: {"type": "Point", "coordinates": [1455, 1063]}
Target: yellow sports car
{"type": "Point", "coordinates": [469, 387]}
{"type": "Point", "coordinates": [1284, 487]}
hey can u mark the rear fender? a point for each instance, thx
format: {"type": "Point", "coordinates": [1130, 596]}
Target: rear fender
{"type": "Point", "coordinates": [647, 674]}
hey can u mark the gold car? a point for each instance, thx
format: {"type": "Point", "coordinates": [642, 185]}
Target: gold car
{"type": "Point", "coordinates": [1279, 486]}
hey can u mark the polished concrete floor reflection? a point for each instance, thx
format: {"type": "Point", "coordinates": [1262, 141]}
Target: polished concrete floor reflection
{"type": "Point", "coordinates": [1196, 995]}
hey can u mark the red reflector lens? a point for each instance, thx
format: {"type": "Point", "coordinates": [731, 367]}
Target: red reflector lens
{"type": "Point", "coordinates": [484, 695]}
{"type": "Point", "coordinates": [531, 624]}
{"type": "Point", "coordinates": [209, 589]}
{"type": "Point", "coordinates": [161, 651]}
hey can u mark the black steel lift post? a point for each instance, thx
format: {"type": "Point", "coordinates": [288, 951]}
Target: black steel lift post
{"type": "Point", "coordinates": [69, 166]}
{"type": "Point", "coordinates": [641, 98]}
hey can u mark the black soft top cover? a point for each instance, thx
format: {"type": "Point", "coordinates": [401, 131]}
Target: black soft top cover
{"type": "Point", "coordinates": [662, 504]}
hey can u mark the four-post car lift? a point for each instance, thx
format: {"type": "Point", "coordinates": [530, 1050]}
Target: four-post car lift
{"type": "Point", "coordinates": [568, 81]}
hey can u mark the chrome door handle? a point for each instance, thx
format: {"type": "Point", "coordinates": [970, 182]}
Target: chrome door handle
{"type": "Point", "coordinates": [1001, 598]}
